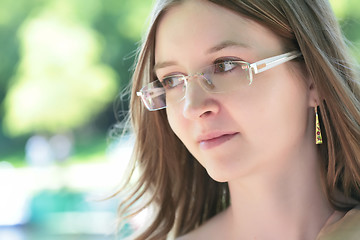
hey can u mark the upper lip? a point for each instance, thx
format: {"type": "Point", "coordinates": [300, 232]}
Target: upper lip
{"type": "Point", "coordinates": [213, 135]}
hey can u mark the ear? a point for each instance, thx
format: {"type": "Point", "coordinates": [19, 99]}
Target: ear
{"type": "Point", "coordinates": [313, 94]}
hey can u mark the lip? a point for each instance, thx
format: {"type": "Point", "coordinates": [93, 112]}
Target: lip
{"type": "Point", "coordinates": [213, 140]}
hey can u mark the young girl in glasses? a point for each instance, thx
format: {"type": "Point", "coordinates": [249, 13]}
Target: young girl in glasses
{"type": "Point", "coordinates": [249, 123]}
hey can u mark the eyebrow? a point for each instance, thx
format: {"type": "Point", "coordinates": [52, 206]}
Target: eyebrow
{"type": "Point", "coordinates": [163, 65]}
{"type": "Point", "coordinates": [216, 48]}
{"type": "Point", "coordinates": [226, 44]}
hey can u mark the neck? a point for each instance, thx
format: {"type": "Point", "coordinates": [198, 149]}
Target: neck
{"type": "Point", "coordinates": [288, 203]}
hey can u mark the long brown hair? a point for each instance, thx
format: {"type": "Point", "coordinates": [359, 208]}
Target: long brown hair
{"type": "Point", "coordinates": [173, 181]}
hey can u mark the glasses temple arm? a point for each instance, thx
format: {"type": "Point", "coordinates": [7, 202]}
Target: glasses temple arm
{"type": "Point", "coordinates": [271, 62]}
{"type": "Point", "coordinates": [153, 93]}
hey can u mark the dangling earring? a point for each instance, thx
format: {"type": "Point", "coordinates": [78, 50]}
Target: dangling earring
{"type": "Point", "coordinates": [318, 137]}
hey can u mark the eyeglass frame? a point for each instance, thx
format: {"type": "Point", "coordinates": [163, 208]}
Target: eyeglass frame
{"type": "Point", "coordinates": [253, 68]}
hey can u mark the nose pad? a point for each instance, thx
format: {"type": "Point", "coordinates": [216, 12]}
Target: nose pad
{"type": "Point", "coordinates": [197, 98]}
{"type": "Point", "coordinates": [190, 87]}
{"type": "Point", "coordinates": [199, 79]}
{"type": "Point", "coordinates": [206, 82]}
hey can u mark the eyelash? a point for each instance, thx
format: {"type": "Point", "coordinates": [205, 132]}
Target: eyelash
{"type": "Point", "coordinates": [217, 60]}
{"type": "Point", "coordinates": [226, 59]}
{"type": "Point", "coordinates": [170, 74]}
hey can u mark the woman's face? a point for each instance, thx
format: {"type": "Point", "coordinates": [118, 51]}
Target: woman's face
{"type": "Point", "coordinates": [256, 128]}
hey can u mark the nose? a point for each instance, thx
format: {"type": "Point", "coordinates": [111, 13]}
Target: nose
{"type": "Point", "coordinates": [198, 103]}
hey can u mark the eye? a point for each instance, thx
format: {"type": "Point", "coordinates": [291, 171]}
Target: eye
{"type": "Point", "coordinates": [172, 81]}
{"type": "Point", "coordinates": [226, 66]}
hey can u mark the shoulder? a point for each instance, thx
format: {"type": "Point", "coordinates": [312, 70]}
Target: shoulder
{"type": "Point", "coordinates": [210, 229]}
{"type": "Point", "coordinates": [348, 227]}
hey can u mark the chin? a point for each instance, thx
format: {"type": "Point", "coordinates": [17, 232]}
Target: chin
{"type": "Point", "coordinates": [217, 176]}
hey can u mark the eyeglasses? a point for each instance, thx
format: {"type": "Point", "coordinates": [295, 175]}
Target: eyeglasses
{"type": "Point", "coordinates": [224, 76]}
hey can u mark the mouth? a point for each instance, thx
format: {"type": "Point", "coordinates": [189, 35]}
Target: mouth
{"type": "Point", "coordinates": [213, 141]}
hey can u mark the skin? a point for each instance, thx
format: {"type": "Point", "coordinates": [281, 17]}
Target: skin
{"type": "Point", "coordinates": [270, 159]}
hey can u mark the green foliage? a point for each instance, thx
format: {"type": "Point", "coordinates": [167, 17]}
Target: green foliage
{"type": "Point", "coordinates": [347, 12]}
{"type": "Point", "coordinates": [62, 62]}
{"type": "Point", "coordinates": [12, 14]}
{"type": "Point", "coordinates": [60, 83]}
{"type": "Point", "coordinates": [346, 8]}
{"type": "Point", "coordinates": [70, 60]}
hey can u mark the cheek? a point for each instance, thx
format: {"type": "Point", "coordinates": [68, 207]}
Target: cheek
{"type": "Point", "coordinates": [289, 120]}
{"type": "Point", "coordinates": [171, 119]}
{"type": "Point", "coordinates": [176, 122]}
{"type": "Point", "coordinates": [277, 110]}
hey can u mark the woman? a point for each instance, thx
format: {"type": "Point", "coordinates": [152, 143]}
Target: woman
{"type": "Point", "coordinates": [253, 129]}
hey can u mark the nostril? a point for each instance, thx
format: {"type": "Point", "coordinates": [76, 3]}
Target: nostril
{"type": "Point", "coordinates": [205, 114]}
{"type": "Point", "coordinates": [201, 107]}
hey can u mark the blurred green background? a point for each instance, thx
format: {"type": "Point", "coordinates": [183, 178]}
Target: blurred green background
{"type": "Point", "coordinates": [63, 64]}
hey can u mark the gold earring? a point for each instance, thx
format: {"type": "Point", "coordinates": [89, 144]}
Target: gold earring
{"type": "Point", "coordinates": [318, 137]}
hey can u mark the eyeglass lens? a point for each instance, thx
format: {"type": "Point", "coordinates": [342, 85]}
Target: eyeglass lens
{"type": "Point", "coordinates": [220, 77]}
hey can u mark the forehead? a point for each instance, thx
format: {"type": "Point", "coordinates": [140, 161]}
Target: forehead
{"type": "Point", "coordinates": [195, 26]}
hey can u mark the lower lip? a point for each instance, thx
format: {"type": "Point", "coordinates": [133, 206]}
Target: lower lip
{"type": "Point", "coordinates": [212, 143]}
